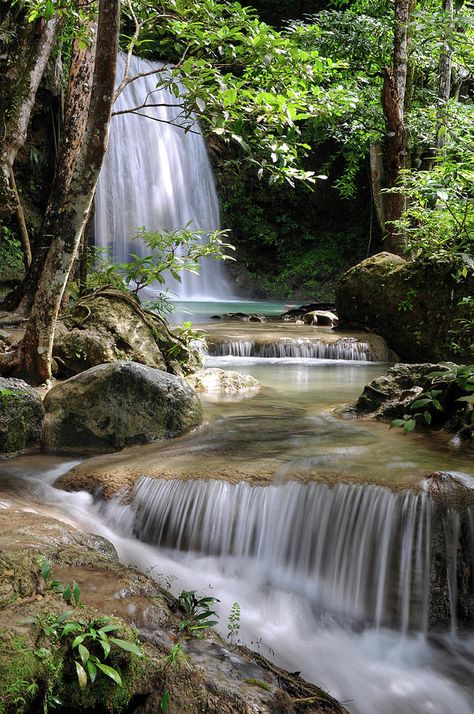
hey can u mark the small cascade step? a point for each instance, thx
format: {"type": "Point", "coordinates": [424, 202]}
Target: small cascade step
{"type": "Point", "coordinates": [344, 349]}
{"type": "Point", "coordinates": [404, 560]}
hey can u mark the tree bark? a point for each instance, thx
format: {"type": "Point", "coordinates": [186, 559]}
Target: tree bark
{"type": "Point", "coordinates": [393, 105]}
{"type": "Point", "coordinates": [445, 73]}
{"type": "Point", "coordinates": [78, 171]}
{"type": "Point", "coordinates": [24, 67]}
{"type": "Point", "coordinates": [76, 115]}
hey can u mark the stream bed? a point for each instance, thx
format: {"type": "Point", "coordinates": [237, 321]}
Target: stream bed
{"type": "Point", "coordinates": [330, 562]}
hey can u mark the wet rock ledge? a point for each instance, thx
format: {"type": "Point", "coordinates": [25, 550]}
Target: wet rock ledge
{"type": "Point", "coordinates": [37, 667]}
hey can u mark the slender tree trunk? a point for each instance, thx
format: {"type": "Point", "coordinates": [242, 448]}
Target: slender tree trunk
{"type": "Point", "coordinates": [376, 173]}
{"type": "Point", "coordinates": [445, 73]}
{"type": "Point", "coordinates": [22, 228]}
{"type": "Point", "coordinates": [76, 115]}
{"type": "Point", "coordinates": [75, 190]}
{"type": "Point", "coordinates": [23, 68]}
{"type": "Point", "coordinates": [396, 141]}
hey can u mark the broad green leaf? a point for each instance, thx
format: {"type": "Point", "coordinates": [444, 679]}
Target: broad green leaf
{"type": "Point", "coordinates": [91, 670]}
{"type": "Point", "coordinates": [128, 646]}
{"type": "Point", "coordinates": [81, 675]}
{"type": "Point", "coordinates": [110, 672]}
{"type": "Point", "coordinates": [84, 653]}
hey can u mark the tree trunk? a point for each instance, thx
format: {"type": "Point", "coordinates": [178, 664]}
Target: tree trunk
{"type": "Point", "coordinates": [393, 105]}
{"type": "Point", "coordinates": [77, 177]}
{"type": "Point", "coordinates": [376, 173]}
{"type": "Point", "coordinates": [445, 72]}
{"type": "Point", "coordinates": [75, 121]}
{"type": "Point", "coordinates": [23, 68]}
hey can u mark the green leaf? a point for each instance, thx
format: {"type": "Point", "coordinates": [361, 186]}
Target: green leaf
{"type": "Point", "coordinates": [81, 675]}
{"type": "Point", "coordinates": [70, 627]}
{"type": "Point", "coordinates": [420, 403]}
{"type": "Point", "coordinates": [84, 653]}
{"type": "Point", "coordinates": [92, 670]}
{"type": "Point", "coordinates": [128, 646]}
{"type": "Point", "coordinates": [76, 592]}
{"type": "Point", "coordinates": [77, 641]}
{"type": "Point", "coordinates": [397, 422]}
{"type": "Point", "coordinates": [409, 426]}
{"type": "Point", "coordinates": [427, 417]}
{"type": "Point", "coordinates": [110, 672]}
{"type": "Point", "coordinates": [469, 399]}
{"type": "Point", "coordinates": [108, 628]}
{"type": "Point", "coordinates": [165, 701]}
{"type": "Point", "coordinates": [105, 644]}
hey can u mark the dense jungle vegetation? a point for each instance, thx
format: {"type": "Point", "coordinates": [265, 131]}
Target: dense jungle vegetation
{"type": "Point", "coordinates": [336, 129]}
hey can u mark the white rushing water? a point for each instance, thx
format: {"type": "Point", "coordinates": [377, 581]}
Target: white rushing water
{"type": "Point", "coordinates": [373, 670]}
{"type": "Point", "coordinates": [159, 176]}
{"type": "Point", "coordinates": [297, 348]}
{"type": "Point", "coordinates": [332, 579]}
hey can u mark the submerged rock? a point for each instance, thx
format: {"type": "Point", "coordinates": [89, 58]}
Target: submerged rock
{"type": "Point", "coordinates": [415, 307]}
{"type": "Point", "coordinates": [116, 405]}
{"type": "Point", "coordinates": [214, 381]}
{"type": "Point", "coordinates": [21, 417]}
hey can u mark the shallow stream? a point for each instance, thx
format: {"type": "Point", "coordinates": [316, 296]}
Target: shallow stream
{"type": "Point", "coordinates": [329, 563]}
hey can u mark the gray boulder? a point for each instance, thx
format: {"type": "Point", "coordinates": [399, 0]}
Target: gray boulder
{"type": "Point", "coordinates": [112, 406]}
{"type": "Point", "coordinates": [21, 417]}
{"type": "Point", "coordinates": [389, 396]}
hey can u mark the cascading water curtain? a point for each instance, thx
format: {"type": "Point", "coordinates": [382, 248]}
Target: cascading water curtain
{"type": "Point", "coordinates": [156, 175]}
{"type": "Point", "coordinates": [361, 551]}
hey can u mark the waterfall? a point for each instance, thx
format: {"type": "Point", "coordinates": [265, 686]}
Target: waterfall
{"type": "Point", "coordinates": [158, 176]}
{"type": "Point", "coordinates": [348, 349]}
{"type": "Point", "coordinates": [363, 552]}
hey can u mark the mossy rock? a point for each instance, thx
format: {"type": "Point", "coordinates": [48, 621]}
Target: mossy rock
{"type": "Point", "coordinates": [415, 307]}
{"type": "Point", "coordinates": [21, 417]}
{"type": "Point", "coordinates": [110, 326]}
{"type": "Point", "coordinates": [112, 406]}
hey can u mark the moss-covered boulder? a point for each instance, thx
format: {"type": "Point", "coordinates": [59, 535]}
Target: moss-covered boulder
{"type": "Point", "coordinates": [21, 417]}
{"type": "Point", "coordinates": [414, 307]}
{"type": "Point", "coordinates": [112, 406]}
{"type": "Point", "coordinates": [111, 325]}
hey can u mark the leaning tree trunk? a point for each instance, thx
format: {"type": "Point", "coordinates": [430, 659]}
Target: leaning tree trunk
{"type": "Point", "coordinates": [76, 193]}
{"type": "Point", "coordinates": [23, 67]}
{"type": "Point", "coordinates": [393, 105]}
{"type": "Point", "coordinates": [76, 115]}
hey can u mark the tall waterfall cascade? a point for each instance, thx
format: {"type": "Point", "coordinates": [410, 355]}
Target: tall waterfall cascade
{"type": "Point", "coordinates": [363, 552]}
{"type": "Point", "coordinates": [159, 176]}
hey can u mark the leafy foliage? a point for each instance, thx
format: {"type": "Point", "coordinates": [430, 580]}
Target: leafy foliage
{"type": "Point", "coordinates": [88, 641]}
{"type": "Point", "coordinates": [197, 613]}
{"type": "Point", "coordinates": [452, 392]}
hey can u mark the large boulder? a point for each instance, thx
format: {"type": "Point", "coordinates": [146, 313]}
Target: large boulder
{"type": "Point", "coordinates": [111, 326]}
{"type": "Point", "coordinates": [21, 417]}
{"type": "Point", "coordinates": [389, 396]}
{"type": "Point", "coordinates": [112, 406]}
{"type": "Point", "coordinates": [414, 307]}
